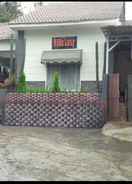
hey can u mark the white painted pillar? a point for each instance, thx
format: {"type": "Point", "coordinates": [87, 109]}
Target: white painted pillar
{"type": "Point", "coordinates": [107, 56]}
{"type": "Point", "coordinates": [2, 69]}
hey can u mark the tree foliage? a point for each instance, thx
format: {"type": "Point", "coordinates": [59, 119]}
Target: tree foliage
{"type": "Point", "coordinates": [39, 3]}
{"type": "Point", "coordinates": [9, 10]}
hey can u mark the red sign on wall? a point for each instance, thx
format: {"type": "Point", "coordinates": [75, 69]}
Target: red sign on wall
{"type": "Point", "coordinates": [64, 42]}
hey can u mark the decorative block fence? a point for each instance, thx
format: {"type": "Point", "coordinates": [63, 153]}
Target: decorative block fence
{"type": "Point", "coordinates": [54, 110]}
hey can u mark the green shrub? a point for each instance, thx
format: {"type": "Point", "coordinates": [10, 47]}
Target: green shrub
{"type": "Point", "coordinates": [22, 83]}
{"type": "Point", "coordinates": [55, 86]}
{"type": "Point", "coordinates": [28, 89]}
{"type": "Point", "coordinates": [22, 80]}
{"type": "Point", "coordinates": [22, 86]}
{"type": "Point", "coordinates": [36, 90]}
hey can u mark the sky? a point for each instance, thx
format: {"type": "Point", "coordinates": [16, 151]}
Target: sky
{"type": "Point", "coordinates": [29, 6]}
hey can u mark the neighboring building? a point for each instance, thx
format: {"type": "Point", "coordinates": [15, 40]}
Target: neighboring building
{"type": "Point", "coordinates": [5, 48]}
{"type": "Point", "coordinates": [62, 37]}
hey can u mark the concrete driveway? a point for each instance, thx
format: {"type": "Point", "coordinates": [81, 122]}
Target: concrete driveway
{"type": "Point", "coordinates": [62, 154]}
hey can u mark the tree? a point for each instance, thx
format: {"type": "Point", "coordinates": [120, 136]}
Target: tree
{"type": "Point", "coordinates": [39, 3]}
{"type": "Point", "coordinates": [9, 10]}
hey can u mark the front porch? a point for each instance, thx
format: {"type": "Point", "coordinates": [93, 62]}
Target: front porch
{"type": "Point", "coordinates": [119, 64]}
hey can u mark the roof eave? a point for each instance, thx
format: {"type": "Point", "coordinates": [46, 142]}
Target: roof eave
{"type": "Point", "coordinates": [115, 21]}
{"type": "Point", "coordinates": [6, 39]}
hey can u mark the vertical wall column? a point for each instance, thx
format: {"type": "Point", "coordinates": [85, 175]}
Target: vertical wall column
{"type": "Point", "coordinates": [97, 65]}
{"type": "Point", "coordinates": [129, 98]}
{"type": "Point", "coordinates": [107, 56]}
{"type": "Point", "coordinates": [20, 53]}
{"type": "Point", "coordinates": [111, 60]}
{"type": "Point", "coordinates": [104, 65]}
{"type": "Point", "coordinates": [12, 64]}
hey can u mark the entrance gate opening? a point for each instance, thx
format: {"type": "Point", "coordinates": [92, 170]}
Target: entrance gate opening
{"type": "Point", "coordinates": [123, 66]}
{"type": "Point", "coordinates": [119, 61]}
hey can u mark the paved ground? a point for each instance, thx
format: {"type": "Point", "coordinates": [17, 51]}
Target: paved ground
{"type": "Point", "coordinates": [120, 130]}
{"type": "Point", "coordinates": [62, 154]}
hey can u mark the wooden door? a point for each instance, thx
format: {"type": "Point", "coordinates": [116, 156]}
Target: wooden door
{"type": "Point", "coordinates": [113, 97]}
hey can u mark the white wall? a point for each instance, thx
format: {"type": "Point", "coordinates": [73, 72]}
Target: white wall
{"type": "Point", "coordinates": [5, 45]}
{"type": "Point", "coordinates": [39, 40]}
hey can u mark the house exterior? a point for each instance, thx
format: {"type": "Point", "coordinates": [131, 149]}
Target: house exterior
{"type": "Point", "coordinates": [5, 48]}
{"type": "Point", "coordinates": [62, 37]}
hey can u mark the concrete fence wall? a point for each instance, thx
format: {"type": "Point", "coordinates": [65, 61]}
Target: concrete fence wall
{"type": "Point", "coordinates": [54, 110]}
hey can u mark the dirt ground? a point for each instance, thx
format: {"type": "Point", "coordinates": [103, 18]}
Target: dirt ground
{"type": "Point", "coordinates": [47, 154]}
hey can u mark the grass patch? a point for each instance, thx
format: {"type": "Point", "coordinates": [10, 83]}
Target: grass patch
{"type": "Point", "coordinates": [32, 90]}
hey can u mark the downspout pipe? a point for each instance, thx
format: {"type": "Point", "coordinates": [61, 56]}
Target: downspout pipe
{"type": "Point", "coordinates": [123, 14]}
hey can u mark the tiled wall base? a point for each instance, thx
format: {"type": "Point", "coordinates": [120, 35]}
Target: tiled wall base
{"type": "Point", "coordinates": [90, 86]}
{"type": "Point", "coordinates": [36, 84]}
